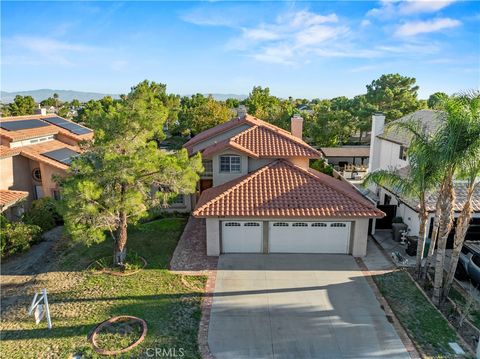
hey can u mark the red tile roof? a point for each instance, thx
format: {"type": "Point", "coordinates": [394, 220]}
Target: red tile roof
{"type": "Point", "coordinates": [282, 189]}
{"type": "Point", "coordinates": [265, 141]}
{"type": "Point", "coordinates": [9, 152]}
{"type": "Point", "coordinates": [8, 197]}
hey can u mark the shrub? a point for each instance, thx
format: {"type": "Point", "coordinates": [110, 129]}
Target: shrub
{"type": "Point", "coordinates": [322, 166]}
{"type": "Point", "coordinates": [17, 236]}
{"type": "Point", "coordinates": [43, 213]}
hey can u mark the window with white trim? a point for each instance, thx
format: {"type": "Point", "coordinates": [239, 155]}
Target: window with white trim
{"type": "Point", "coordinates": [232, 224]}
{"type": "Point", "coordinates": [230, 164]}
{"type": "Point", "coordinates": [338, 225]}
{"type": "Point", "coordinates": [251, 224]}
{"type": "Point", "coordinates": [300, 224]}
{"type": "Point", "coordinates": [280, 224]}
{"type": "Point", "coordinates": [319, 224]}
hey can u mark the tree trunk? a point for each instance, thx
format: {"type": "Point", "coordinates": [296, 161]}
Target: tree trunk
{"type": "Point", "coordinates": [463, 222]}
{"type": "Point", "coordinates": [422, 237]}
{"type": "Point", "coordinates": [433, 239]}
{"type": "Point", "coordinates": [121, 241]}
{"type": "Point", "coordinates": [446, 219]}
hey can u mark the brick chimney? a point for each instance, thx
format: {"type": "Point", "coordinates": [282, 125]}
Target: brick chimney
{"type": "Point", "coordinates": [296, 126]}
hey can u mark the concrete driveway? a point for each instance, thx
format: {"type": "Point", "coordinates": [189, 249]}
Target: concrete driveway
{"type": "Point", "coordinates": [297, 306]}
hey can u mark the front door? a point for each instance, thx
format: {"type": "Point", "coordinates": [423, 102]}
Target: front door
{"type": "Point", "coordinates": [205, 184]}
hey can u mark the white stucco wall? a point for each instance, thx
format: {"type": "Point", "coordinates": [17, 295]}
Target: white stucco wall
{"type": "Point", "coordinates": [222, 177]}
{"type": "Point", "coordinates": [390, 155]}
{"type": "Point", "coordinates": [360, 237]}
{"type": "Point", "coordinates": [213, 236]}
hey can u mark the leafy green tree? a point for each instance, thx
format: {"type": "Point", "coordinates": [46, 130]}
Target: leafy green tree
{"type": "Point", "coordinates": [329, 128]}
{"type": "Point", "coordinates": [260, 103]}
{"type": "Point", "coordinates": [75, 103]}
{"type": "Point", "coordinates": [232, 102]}
{"type": "Point", "coordinates": [362, 111]}
{"type": "Point", "coordinates": [49, 102]}
{"type": "Point", "coordinates": [200, 113]}
{"type": "Point", "coordinates": [394, 95]}
{"type": "Point", "coordinates": [112, 183]}
{"type": "Point", "coordinates": [22, 106]}
{"type": "Point", "coordinates": [436, 100]}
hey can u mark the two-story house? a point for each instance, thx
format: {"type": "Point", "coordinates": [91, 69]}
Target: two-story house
{"type": "Point", "coordinates": [261, 196]}
{"type": "Point", "coordinates": [388, 151]}
{"type": "Point", "coordinates": [33, 150]}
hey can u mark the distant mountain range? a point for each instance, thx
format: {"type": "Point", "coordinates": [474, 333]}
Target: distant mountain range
{"type": "Point", "coordinates": [69, 95]}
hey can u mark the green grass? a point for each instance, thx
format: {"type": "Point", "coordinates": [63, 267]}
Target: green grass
{"type": "Point", "coordinates": [474, 312]}
{"type": "Point", "coordinates": [80, 300]}
{"type": "Point", "coordinates": [424, 324]}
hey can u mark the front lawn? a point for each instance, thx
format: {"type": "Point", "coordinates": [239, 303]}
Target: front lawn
{"type": "Point", "coordinates": [80, 300]}
{"type": "Point", "coordinates": [424, 324]}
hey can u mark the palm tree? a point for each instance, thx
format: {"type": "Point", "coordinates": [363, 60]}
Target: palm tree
{"type": "Point", "coordinates": [470, 171]}
{"type": "Point", "coordinates": [420, 180]}
{"type": "Point", "coordinates": [458, 138]}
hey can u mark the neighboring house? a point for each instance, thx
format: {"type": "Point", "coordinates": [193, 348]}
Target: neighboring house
{"type": "Point", "coordinates": [350, 161]}
{"type": "Point", "coordinates": [388, 151]}
{"type": "Point", "coordinates": [259, 195]}
{"type": "Point", "coordinates": [34, 149]}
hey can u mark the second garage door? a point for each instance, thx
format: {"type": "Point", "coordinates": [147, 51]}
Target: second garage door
{"type": "Point", "coordinates": [309, 237]}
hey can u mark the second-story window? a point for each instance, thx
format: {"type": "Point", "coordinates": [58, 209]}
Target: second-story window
{"type": "Point", "coordinates": [230, 164]}
{"type": "Point", "coordinates": [403, 153]}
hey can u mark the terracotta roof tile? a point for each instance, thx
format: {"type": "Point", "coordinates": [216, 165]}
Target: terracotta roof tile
{"type": "Point", "coordinates": [282, 189]}
{"type": "Point", "coordinates": [265, 140]}
{"type": "Point", "coordinates": [9, 152]}
{"type": "Point", "coordinates": [9, 197]}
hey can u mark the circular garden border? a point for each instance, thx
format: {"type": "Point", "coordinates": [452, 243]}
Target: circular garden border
{"type": "Point", "coordinates": [110, 321]}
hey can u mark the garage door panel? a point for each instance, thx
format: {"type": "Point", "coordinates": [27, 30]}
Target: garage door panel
{"type": "Point", "coordinates": [242, 237]}
{"type": "Point", "coordinates": [309, 237]}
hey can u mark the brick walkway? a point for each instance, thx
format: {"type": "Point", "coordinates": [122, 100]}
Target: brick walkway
{"type": "Point", "coordinates": [190, 256]}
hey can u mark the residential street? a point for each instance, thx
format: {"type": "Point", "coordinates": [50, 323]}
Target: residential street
{"type": "Point", "coordinates": [297, 306]}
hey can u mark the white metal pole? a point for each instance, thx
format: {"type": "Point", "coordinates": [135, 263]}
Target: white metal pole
{"type": "Point", "coordinates": [47, 309]}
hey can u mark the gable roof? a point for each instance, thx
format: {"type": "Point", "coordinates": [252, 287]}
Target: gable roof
{"type": "Point", "coordinates": [265, 141]}
{"type": "Point", "coordinates": [9, 198]}
{"type": "Point", "coordinates": [430, 120]}
{"type": "Point", "coordinates": [282, 189]}
{"type": "Point", "coordinates": [262, 139]}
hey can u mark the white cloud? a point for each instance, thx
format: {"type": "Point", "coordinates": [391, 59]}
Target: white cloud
{"type": "Point", "coordinates": [290, 37]}
{"type": "Point", "coordinates": [365, 23]}
{"type": "Point", "coordinates": [44, 49]}
{"type": "Point", "coordinates": [413, 28]}
{"type": "Point", "coordinates": [423, 6]}
{"type": "Point", "coordinates": [392, 8]}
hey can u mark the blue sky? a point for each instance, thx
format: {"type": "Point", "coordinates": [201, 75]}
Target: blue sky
{"type": "Point", "coordinates": [300, 49]}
